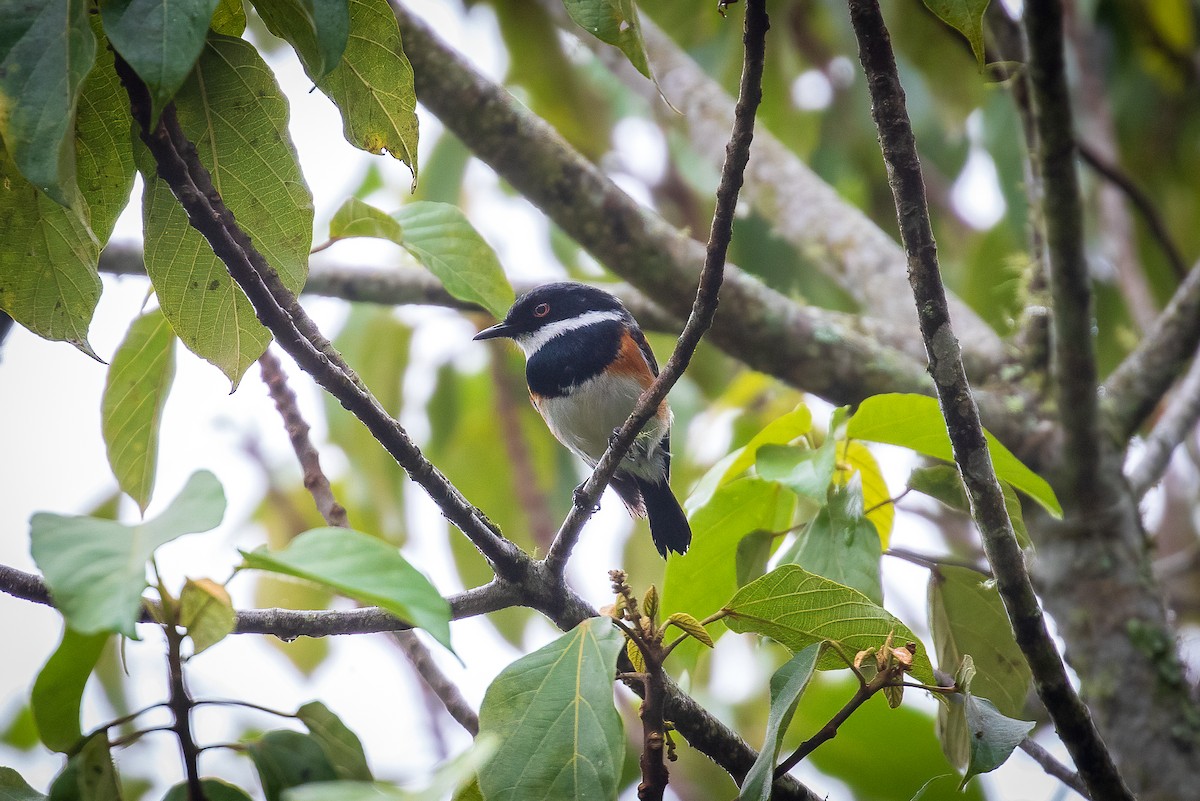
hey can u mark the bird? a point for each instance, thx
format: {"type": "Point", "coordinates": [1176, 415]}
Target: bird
{"type": "Point", "coordinates": [586, 363]}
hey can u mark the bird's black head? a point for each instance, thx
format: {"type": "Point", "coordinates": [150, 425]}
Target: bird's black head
{"type": "Point", "coordinates": [554, 303]}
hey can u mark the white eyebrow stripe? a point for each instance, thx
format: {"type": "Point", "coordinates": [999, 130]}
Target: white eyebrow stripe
{"type": "Point", "coordinates": [531, 343]}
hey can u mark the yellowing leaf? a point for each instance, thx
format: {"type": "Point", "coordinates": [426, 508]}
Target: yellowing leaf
{"type": "Point", "coordinates": [691, 626]}
{"type": "Point", "coordinates": [206, 611]}
{"type": "Point", "coordinates": [856, 457]}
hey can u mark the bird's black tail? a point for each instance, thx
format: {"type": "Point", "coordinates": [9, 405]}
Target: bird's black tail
{"type": "Point", "coordinates": [668, 524]}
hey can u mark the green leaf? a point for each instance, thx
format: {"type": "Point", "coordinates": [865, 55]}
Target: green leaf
{"type": "Point", "coordinates": [96, 568]}
{"type": "Point", "coordinates": [364, 568]}
{"type": "Point", "coordinates": [787, 685]}
{"type": "Point", "coordinates": [560, 734]}
{"type": "Point", "coordinates": [342, 747]}
{"type": "Point", "coordinates": [90, 774]}
{"type": "Point", "coordinates": [206, 611]}
{"type": "Point", "coordinates": [231, 107]}
{"type": "Point", "coordinates": [613, 22]}
{"type": "Point", "coordinates": [916, 422]}
{"type": "Point", "coordinates": [135, 393]}
{"type": "Point", "coordinates": [48, 256]}
{"type": "Point", "coordinates": [441, 238]}
{"type": "Point", "coordinates": [286, 759]}
{"type": "Point", "coordinates": [317, 29]}
{"type": "Point", "coordinates": [356, 218]}
{"type": "Point", "coordinates": [373, 85]}
{"type": "Point", "coordinates": [702, 579]}
{"type": "Point", "coordinates": [161, 40]}
{"type": "Point", "coordinates": [21, 732]}
{"type": "Point", "coordinates": [854, 458]}
{"type": "Point", "coordinates": [808, 472]}
{"type": "Point", "coordinates": [214, 790]}
{"type": "Point", "coordinates": [966, 616]}
{"type": "Point", "coordinates": [229, 18]}
{"type": "Point", "coordinates": [943, 483]}
{"type": "Point", "coordinates": [964, 16]}
{"type": "Point", "coordinates": [448, 778]}
{"type": "Point", "coordinates": [977, 737]}
{"type": "Point", "coordinates": [779, 431]}
{"type": "Point", "coordinates": [14, 788]}
{"type": "Point", "coordinates": [797, 608]}
{"type": "Point", "coordinates": [841, 544]}
{"type": "Point", "coordinates": [59, 688]}
{"type": "Point", "coordinates": [48, 278]}
{"type": "Point", "coordinates": [690, 626]}
{"type": "Point", "coordinates": [753, 553]}
{"type": "Point", "coordinates": [46, 52]}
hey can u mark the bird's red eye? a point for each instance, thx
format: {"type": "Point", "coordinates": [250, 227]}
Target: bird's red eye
{"type": "Point", "coordinates": [541, 310]}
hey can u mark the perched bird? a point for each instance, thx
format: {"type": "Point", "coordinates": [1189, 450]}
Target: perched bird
{"type": "Point", "coordinates": [587, 362]}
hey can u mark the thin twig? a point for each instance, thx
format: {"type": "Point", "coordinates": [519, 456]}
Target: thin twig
{"type": "Point", "coordinates": [1142, 202]}
{"type": "Point", "coordinates": [1179, 418]}
{"type": "Point", "coordinates": [704, 307]}
{"type": "Point", "coordinates": [438, 682]}
{"type": "Point", "coordinates": [315, 480]}
{"type": "Point", "coordinates": [924, 560]}
{"type": "Point", "coordinates": [898, 144]}
{"type": "Point", "coordinates": [1053, 767]}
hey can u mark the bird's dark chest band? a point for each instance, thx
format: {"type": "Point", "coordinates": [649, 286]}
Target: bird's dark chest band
{"type": "Point", "coordinates": [572, 358]}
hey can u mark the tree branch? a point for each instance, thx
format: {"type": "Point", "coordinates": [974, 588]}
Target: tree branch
{"type": "Point", "coordinates": [1144, 377]}
{"type": "Point", "coordinates": [1177, 421]}
{"type": "Point", "coordinates": [898, 144]}
{"type": "Point", "coordinates": [704, 307]}
{"type": "Point", "coordinates": [1053, 767]}
{"type": "Point", "coordinates": [802, 208]}
{"type": "Point", "coordinates": [278, 309]}
{"type": "Point", "coordinates": [827, 354]}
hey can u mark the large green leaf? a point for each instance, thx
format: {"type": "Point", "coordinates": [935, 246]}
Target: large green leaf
{"type": "Point", "coordinates": [161, 40]}
{"type": "Point", "coordinates": [342, 747]}
{"type": "Point", "coordinates": [444, 241]}
{"type": "Point", "coordinates": [48, 256]}
{"type": "Point", "coordinates": [797, 608]}
{"type": "Point", "coordinates": [135, 393]}
{"type": "Point", "coordinates": [46, 51]}
{"type": "Point", "coordinates": [373, 85]}
{"type": "Point", "coordinates": [59, 688]}
{"type": "Point", "coordinates": [560, 735]}
{"type": "Point", "coordinates": [613, 22]}
{"type": "Point", "coordinates": [787, 685]}
{"type": "Point", "coordinates": [966, 616]}
{"type": "Point", "coordinates": [364, 568]}
{"type": "Point", "coordinates": [48, 278]}
{"type": "Point", "coordinates": [841, 544]}
{"type": "Point", "coordinates": [966, 17]}
{"type": "Point", "coordinates": [214, 790]}
{"type": "Point", "coordinates": [916, 422]}
{"type": "Point", "coordinates": [317, 29]}
{"type": "Point", "coordinates": [14, 788]}
{"type": "Point", "coordinates": [231, 107]}
{"type": "Point", "coordinates": [286, 759]}
{"type": "Point", "coordinates": [96, 568]}
{"type": "Point", "coordinates": [702, 579]}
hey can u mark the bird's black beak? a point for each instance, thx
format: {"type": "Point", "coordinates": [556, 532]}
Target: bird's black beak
{"type": "Point", "coordinates": [497, 330]}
